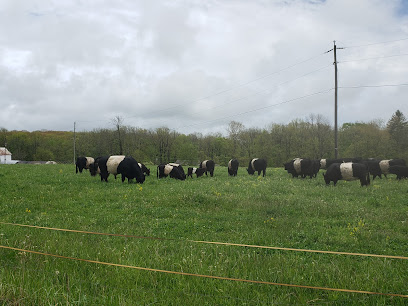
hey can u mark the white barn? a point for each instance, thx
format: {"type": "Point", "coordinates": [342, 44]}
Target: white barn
{"type": "Point", "coordinates": [5, 156]}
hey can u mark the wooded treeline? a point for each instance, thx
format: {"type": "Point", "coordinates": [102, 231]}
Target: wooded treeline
{"type": "Point", "coordinates": [312, 137]}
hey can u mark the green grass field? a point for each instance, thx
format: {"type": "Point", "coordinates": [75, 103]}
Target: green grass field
{"type": "Point", "coordinates": [272, 211]}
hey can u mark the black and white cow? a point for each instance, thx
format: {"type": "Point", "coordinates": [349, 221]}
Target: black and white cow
{"type": "Point", "coordinates": [301, 166]}
{"type": "Point", "coordinates": [379, 167]}
{"type": "Point", "coordinates": [233, 165]}
{"type": "Point", "coordinates": [127, 166]}
{"type": "Point", "coordinates": [325, 163]}
{"type": "Point", "coordinates": [145, 170]}
{"type": "Point", "coordinates": [400, 171]}
{"type": "Point", "coordinates": [197, 171]}
{"type": "Point", "coordinates": [83, 162]}
{"type": "Point", "coordinates": [173, 170]}
{"type": "Point", "coordinates": [348, 172]}
{"type": "Point", "coordinates": [208, 166]}
{"type": "Point", "coordinates": [257, 164]}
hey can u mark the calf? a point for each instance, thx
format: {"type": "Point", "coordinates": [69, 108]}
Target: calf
{"type": "Point", "coordinates": [145, 170]}
{"type": "Point", "coordinates": [233, 165]}
{"type": "Point", "coordinates": [400, 171]}
{"type": "Point", "coordinates": [257, 164]}
{"type": "Point", "coordinates": [198, 171]}
{"type": "Point", "coordinates": [348, 172]}
{"type": "Point", "coordinates": [208, 166]}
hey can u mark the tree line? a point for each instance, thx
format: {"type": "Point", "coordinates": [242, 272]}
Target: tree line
{"type": "Point", "coordinates": [312, 137]}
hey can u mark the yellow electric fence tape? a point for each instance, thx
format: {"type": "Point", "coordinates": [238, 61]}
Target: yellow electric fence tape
{"type": "Point", "coordinates": [205, 276]}
{"type": "Point", "coordinates": [211, 242]}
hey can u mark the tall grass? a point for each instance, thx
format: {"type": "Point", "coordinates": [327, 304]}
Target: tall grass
{"type": "Point", "coordinates": [275, 210]}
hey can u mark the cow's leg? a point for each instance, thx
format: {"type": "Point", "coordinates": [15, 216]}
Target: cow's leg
{"type": "Point", "coordinates": [123, 177]}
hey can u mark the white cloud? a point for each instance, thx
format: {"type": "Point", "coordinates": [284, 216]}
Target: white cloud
{"type": "Point", "coordinates": [185, 64]}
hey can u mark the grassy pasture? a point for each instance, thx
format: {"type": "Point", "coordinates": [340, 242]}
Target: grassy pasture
{"type": "Point", "coordinates": [272, 211]}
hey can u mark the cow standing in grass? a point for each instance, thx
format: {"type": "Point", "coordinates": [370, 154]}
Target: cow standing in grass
{"type": "Point", "coordinates": [208, 166]}
{"type": "Point", "coordinates": [83, 163]}
{"type": "Point", "coordinates": [197, 171]}
{"type": "Point", "coordinates": [233, 165]}
{"type": "Point", "coordinates": [348, 172]}
{"type": "Point", "coordinates": [173, 170]}
{"type": "Point", "coordinates": [301, 166]}
{"type": "Point", "coordinates": [257, 165]}
{"type": "Point", "coordinates": [381, 167]}
{"type": "Point", "coordinates": [127, 166]}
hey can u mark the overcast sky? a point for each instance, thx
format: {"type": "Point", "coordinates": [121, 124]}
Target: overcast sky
{"type": "Point", "coordinates": [194, 66]}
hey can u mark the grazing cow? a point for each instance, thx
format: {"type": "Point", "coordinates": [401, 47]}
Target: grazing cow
{"type": "Point", "coordinates": [174, 170]}
{"type": "Point", "coordinates": [145, 170]}
{"type": "Point", "coordinates": [379, 167]}
{"type": "Point", "coordinates": [233, 165]}
{"type": "Point", "coordinates": [400, 171]}
{"type": "Point", "coordinates": [348, 172]}
{"type": "Point", "coordinates": [257, 164]}
{"type": "Point", "coordinates": [208, 166]}
{"type": "Point", "coordinates": [198, 171]}
{"type": "Point", "coordinates": [301, 166]}
{"type": "Point", "coordinates": [83, 163]}
{"type": "Point", "coordinates": [127, 166]}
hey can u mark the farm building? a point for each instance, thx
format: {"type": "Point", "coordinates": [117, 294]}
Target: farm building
{"type": "Point", "coordinates": [5, 156]}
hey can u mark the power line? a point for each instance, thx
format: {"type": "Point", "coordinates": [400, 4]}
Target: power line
{"type": "Point", "coordinates": [233, 87]}
{"type": "Point", "coordinates": [377, 43]}
{"type": "Point", "coordinates": [374, 86]}
{"type": "Point", "coordinates": [265, 92]}
{"type": "Point", "coordinates": [371, 58]}
{"type": "Point", "coordinates": [258, 109]}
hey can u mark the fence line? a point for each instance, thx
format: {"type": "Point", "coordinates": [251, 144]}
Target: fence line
{"type": "Point", "coordinates": [211, 242]}
{"type": "Point", "coordinates": [207, 276]}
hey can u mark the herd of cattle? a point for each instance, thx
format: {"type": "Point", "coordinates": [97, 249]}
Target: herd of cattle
{"type": "Point", "coordinates": [336, 169]}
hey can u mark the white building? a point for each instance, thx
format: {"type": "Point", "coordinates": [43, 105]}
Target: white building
{"type": "Point", "coordinates": [5, 156]}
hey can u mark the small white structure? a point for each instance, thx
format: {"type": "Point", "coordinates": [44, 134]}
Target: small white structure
{"type": "Point", "coordinates": [5, 156]}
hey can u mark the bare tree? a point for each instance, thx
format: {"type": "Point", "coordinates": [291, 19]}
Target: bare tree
{"type": "Point", "coordinates": [117, 121]}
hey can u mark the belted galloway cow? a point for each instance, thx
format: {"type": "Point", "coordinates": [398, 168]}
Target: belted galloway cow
{"type": "Point", "coordinates": [233, 165]}
{"type": "Point", "coordinates": [257, 164]}
{"type": "Point", "coordinates": [348, 172]}
{"type": "Point", "coordinates": [83, 162]}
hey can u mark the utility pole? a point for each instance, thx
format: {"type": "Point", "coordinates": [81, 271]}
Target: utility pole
{"type": "Point", "coordinates": [74, 142]}
{"type": "Point", "coordinates": [336, 151]}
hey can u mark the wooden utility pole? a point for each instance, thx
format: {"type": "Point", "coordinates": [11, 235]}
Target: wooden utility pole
{"type": "Point", "coordinates": [336, 150]}
{"type": "Point", "coordinates": [74, 143]}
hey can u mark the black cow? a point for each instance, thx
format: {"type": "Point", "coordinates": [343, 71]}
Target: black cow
{"type": "Point", "coordinates": [348, 172]}
{"type": "Point", "coordinates": [257, 164]}
{"type": "Point", "coordinates": [400, 171]}
{"type": "Point", "coordinates": [83, 163]}
{"type": "Point", "coordinates": [127, 166]}
{"type": "Point", "coordinates": [208, 166]}
{"type": "Point", "coordinates": [145, 170]}
{"type": "Point", "coordinates": [197, 171]}
{"type": "Point", "coordinates": [174, 170]}
{"type": "Point", "coordinates": [301, 166]}
{"type": "Point", "coordinates": [233, 165]}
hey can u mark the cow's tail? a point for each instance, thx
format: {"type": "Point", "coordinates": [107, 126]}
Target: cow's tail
{"type": "Point", "coordinates": [157, 172]}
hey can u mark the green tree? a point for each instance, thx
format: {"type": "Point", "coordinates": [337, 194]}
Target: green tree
{"type": "Point", "coordinates": [397, 127]}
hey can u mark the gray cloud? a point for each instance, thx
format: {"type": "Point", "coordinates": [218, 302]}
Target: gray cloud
{"type": "Point", "coordinates": [194, 65]}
